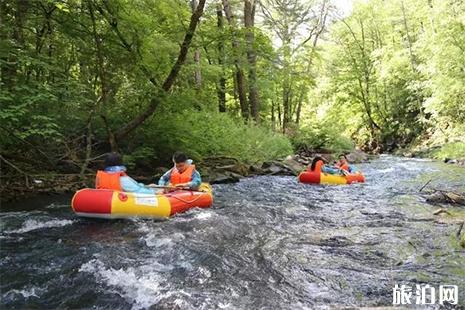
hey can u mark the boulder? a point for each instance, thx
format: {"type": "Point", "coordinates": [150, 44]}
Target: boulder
{"type": "Point", "coordinates": [291, 163]}
{"type": "Point", "coordinates": [446, 197]}
{"type": "Point", "coordinates": [255, 170]}
{"type": "Point", "coordinates": [218, 161]}
{"type": "Point", "coordinates": [303, 160]}
{"type": "Point", "coordinates": [216, 177]}
{"type": "Point", "coordinates": [357, 157]}
{"type": "Point", "coordinates": [223, 164]}
{"type": "Point", "coordinates": [237, 168]}
{"type": "Point", "coordinates": [277, 168]}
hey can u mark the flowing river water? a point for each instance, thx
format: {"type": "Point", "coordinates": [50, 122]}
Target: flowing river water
{"type": "Point", "coordinates": [268, 242]}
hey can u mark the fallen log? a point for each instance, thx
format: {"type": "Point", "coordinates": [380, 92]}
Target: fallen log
{"type": "Point", "coordinates": [442, 196]}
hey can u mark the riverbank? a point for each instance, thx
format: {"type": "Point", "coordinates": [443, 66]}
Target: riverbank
{"type": "Point", "coordinates": [450, 153]}
{"type": "Point", "coordinates": [215, 170]}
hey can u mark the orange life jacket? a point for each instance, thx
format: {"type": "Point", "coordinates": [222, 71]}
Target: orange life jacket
{"type": "Point", "coordinates": [318, 166]}
{"type": "Point", "coordinates": [179, 178]}
{"type": "Point", "coordinates": [345, 167]}
{"type": "Point", "coordinates": [342, 164]}
{"type": "Point", "coordinates": [107, 180]}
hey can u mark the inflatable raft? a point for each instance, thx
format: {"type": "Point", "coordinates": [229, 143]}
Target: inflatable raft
{"type": "Point", "coordinates": [325, 178]}
{"type": "Point", "coordinates": [110, 204]}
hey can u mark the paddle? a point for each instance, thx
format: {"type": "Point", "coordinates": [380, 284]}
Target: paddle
{"type": "Point", "coordinates": [175, 188]}
{"type": "Point", "coordinates": [168, 187]}
{"type": "Point", "coordinates": [344, 172]}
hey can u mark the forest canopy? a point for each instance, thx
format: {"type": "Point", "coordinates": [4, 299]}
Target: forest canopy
{"type": "Point", "coordinates": [252, 79]}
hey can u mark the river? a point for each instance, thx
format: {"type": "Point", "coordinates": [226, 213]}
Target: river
{"type": "Point", "coordinates": [268, 242]}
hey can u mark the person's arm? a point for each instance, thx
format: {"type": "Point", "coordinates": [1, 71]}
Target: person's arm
{"type": "Point", "coordinates": [128, 184]}
{"type": "Point", "coordinates": [196, 180]}
{"type": "Point", "coordinates": [165, 179]}
{"type": "Point", "coordinates": [352, 169]}
{"type": "Point", "coordinates": [330, 170]}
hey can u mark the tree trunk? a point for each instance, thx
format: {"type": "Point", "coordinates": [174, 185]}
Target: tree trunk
{"type": "Point", "coordinates": [240, 78]}
{"type": "Point", "coordinates": [5, 69]}
{"type": "Point", "coordinates": [197, 72]}
{"type": "Point", "coordinates": [249, 15]}
{"type": "Point", "coordinates": [169, 81]}
{"type": "Point", "coordinates": [273, 117]}
{"type": "Point", "coordinates": [222, 81]}
{"type": "Point", "coordinates": [100, 66]}
{"type": "Point", "coordinates": [299, 105]}
{"type": "Point", "coordinates": [409, 39]}
{"type": "Point", "coordinates": [9, 69]}
{"type": "Point", "coordinates": [286, 104]}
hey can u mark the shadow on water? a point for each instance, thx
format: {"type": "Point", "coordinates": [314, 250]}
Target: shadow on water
{"type": "Point", "coordinates": [268, 242]}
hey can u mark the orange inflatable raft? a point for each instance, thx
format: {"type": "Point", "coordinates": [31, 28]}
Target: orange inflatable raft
{"type": "Point", "coordinates": [325, 178]}
{"type": "Point", "coordinates": [110, 204]}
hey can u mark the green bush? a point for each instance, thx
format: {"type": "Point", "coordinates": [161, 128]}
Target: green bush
{"type": "Point", "coordinates": [321, 136]}
{"type": "Point", "coordinates": [453, 150]}
{"type": "Point", "coordinates": [200, 134]}
{"type": "Point", "coordinates": [142, 156]}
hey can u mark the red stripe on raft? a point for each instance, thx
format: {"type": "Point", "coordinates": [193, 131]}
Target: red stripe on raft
{"type": "Point", "coordinates": [182, 201]}
{"type": "Point", "coordinates": [355, 178]}
{"type": "Point", "coordinates": [93, 201]}
{"type": "Point", "coordinates": [309, 177]}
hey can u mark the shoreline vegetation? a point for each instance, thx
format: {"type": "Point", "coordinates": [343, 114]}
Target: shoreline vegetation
{"type": "Point", "coordinates": [79, 79]}
{"type": "Point", "coordinates": [214, 169]}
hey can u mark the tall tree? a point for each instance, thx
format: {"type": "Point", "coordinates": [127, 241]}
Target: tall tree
{"type": "Point", "coordinates": [197, 71]}
{"type": "Point", "coordinates": [294, 24]}
{"type": "Point", "coordinates": [221, 89]}
{"type": "Point", "coordinates": [237, 51]}
{"type": "Point", "coordinates": [249, 16]}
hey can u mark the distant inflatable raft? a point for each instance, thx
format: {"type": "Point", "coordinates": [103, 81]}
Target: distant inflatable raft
{"type": "Point", "coordinates": [325, 178]}
{"type": "Point", "coordinates": [103, 203]}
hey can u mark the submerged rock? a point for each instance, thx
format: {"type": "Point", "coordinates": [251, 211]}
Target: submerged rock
{"type": "Point", "coordinates": [460, 162]}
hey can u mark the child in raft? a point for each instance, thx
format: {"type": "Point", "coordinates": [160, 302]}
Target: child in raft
{"type": "Point", "coordinates": [183, 174]}
{"type": "Point", "coordinates": [114, 176]}
{"type": "Point", "coordinates": [343, 164]}
{"type": "Point", "coordinates": [318, 165]}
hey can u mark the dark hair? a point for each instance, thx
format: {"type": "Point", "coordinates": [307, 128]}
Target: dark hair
{"type": "Point", "coordinates": [113, 159]}
{"type": "Point", "coordinates": [314, 161]}
{"type": "Point", "coordinates": [179, 157]}
{"type": "Point", "coordinates": [343, 155]}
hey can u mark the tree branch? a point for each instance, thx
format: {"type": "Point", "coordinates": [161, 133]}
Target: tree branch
{"type": "Point", "coordinates": [169, 81]}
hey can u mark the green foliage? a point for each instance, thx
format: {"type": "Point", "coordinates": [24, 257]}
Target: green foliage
{"type": "Point", "coordinates": [322, 136]}
{"type": "Point", "coordinates": [388, 75]}
{"type": "Point", "coordinates": [143, 156]}
{"type": "Point", "coordinates": [397, 69]}
{"type": "Point", "coordinates": [453, 150]}
{"type": "Point", "coordinates": [202, 134]}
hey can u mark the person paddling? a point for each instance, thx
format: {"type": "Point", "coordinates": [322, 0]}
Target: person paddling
{"type": "Point", "coordinates": [343, 163]}
{"type": "Point", "coordinates": [114, 177]}
{"type": "Point", "coordinates": [182, 175]}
